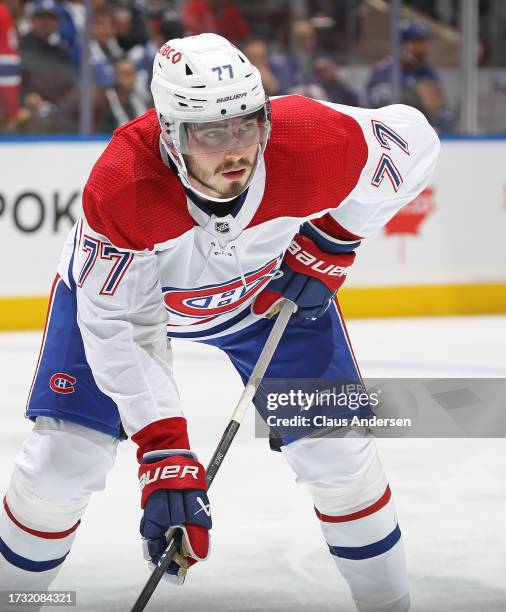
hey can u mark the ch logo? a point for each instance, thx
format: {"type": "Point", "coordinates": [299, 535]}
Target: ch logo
{"type": "Point", "coordinates": [222, 227]}
{"type": "Point", "coordinates": [62, 383]}
{"type": "Point", "coordinates": [205, 507]}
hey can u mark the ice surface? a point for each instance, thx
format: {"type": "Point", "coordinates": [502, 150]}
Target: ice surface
{"type": "Point", "coordinates": [268, 552]}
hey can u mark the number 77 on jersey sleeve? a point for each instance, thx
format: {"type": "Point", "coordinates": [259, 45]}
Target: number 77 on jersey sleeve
{"type": "Point", "coordinates": [96, 249]}
{"type": "Point", "coordinates": [386, 135]}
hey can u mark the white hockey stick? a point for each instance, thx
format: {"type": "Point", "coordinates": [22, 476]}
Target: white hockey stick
{"type": "Point", "coordinates": [247, 396]}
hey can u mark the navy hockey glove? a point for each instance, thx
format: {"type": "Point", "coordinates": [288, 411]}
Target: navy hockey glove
{"type": "Point", "coordinates": [173, 485]}
{"type": "Point", "coordinates": [308, 277]}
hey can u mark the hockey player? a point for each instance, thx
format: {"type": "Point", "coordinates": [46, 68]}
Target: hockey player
{"type": "Point", "coordinates": [10, 72]}
{"type": "Point", "coordinates": [198, 218]}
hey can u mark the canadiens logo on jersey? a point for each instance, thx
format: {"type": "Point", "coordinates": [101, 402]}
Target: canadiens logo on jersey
{"type": "Point", "coordinates": [203, 304]}
{"type": "Point", "coordinates": [62, 383]}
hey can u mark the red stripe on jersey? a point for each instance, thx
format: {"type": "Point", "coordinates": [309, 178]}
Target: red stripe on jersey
{"type": "Point", "coordinates": [382, 501]}
{"type": "Point", "coordinates": [47, 535]}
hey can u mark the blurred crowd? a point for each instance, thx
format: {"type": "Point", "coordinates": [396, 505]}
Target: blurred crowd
{"type": "Point", "coordinates": [40, 58]}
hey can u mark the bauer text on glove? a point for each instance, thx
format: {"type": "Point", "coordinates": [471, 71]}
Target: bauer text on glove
{"type": "Point", "coordinates": [308, 276]}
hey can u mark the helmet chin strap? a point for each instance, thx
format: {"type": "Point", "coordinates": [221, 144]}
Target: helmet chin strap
{"type": "Point", "coordinates": [182, 171]}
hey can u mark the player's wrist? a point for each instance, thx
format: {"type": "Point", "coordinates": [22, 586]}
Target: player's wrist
{"type": "Point", "coordinates": [164, 435]}
{"type": "Point", "coordinates": [329, 236]}
{"type": "Point", "coordinates": [159, 455]}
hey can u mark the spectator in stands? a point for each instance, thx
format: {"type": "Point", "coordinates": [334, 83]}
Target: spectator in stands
{"type": "Point", "coordinates": [218, 16]}
{"type": "Point", "coordinates": [257, 52]}
{"type": "Point", "coordinates": [420, 84]}
{"type": "Point", "coordinates": [335, 89]}
{"type": "Point", "coordinates": [123, 103]}
{"type": "Point", "coordinates": [292, 62]}
{"type": "Point", "coordinates": [305, 47]}
{"type": "Point", "coordinates": [294, 67]}
{"type": "Point", "coordinates": [104, 48]}
{"type": "Point", "coordinates": [72, 16]}
{"type": "Point", "coordinates": [49, 75]}
{"type": "Point", "coordinates": [338, 25]}
{"type": "Point", "coordinates": [10, 71]}
{"type": "Point", "coordinates": [286, 70]}
{"type": "Point", "coordinates": [131, 26]}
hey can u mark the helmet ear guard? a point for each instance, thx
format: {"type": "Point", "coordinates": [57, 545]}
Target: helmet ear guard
{"type": "Point", "coordinates": [205, 79]}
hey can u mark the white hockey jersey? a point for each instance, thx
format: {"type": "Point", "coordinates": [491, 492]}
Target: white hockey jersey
{"type": "Point", "coordinates": [149, 260]}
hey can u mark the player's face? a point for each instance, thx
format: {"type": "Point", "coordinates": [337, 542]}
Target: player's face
{"type": "Point", "coordinates": [420, 49]}
{"type": "Point", "coordinates": [222, 174]}
{"type": "Point", "coordinates": [221, 155]}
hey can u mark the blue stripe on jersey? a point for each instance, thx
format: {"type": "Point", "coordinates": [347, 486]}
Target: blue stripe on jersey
{"type": "Point", "coordinates": [327, 245]}
{"type": "Point", "coordinates": [239, 203]}
{"type": "Point", "coordinates": [27, 564]}
{"type": "Point", "coordinates": [369, 551]}
{"type": "Point", "coordinates": [210, 331]}
{"type": "Point", "coordinates": [9, 70]}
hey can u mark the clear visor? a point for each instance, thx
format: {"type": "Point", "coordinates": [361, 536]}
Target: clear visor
{"type": "Point", "coordinates": [224, 135]}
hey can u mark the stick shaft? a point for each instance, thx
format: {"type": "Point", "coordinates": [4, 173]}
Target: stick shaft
{"type": "Point", "coordinates": [250, 389]}
{"type": "Point", "coordinates": [226, 440]}
{"type": "Point", "coordinates": [262, 364]}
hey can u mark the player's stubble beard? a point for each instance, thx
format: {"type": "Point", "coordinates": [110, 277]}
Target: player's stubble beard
{"type": "Point", "coordinates": [209, 180]}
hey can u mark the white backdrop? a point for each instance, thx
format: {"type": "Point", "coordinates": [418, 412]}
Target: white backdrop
{"type": "Point", "coordinates": [453, 233]}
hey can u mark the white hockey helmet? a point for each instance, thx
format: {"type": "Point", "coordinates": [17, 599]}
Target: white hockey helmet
{"type": "Point", "coordinates": [205, 79]}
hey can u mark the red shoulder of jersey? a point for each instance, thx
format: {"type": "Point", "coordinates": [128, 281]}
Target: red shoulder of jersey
{"type": "Point", "coordinates": [131, 196]}
{"type": "Point", "coordinates": [313, 159]}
